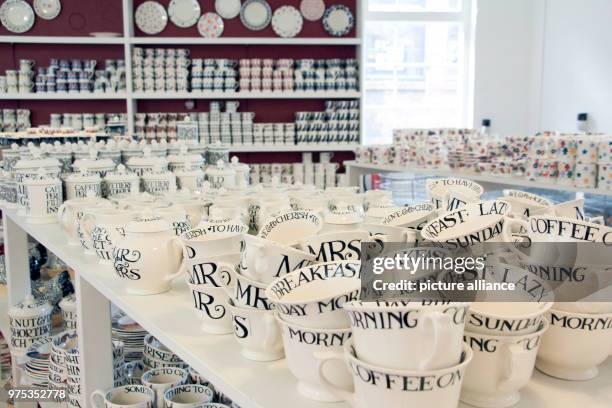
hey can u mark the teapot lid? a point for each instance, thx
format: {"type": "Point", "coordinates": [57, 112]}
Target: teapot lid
{"type": "Point", "coordinates": [83, 176]}
{"type": "Point", "coordinates": [36, 161]}
{"type": "Point", "coordinates": [183, 157]}
{"type": "Point", "coordinates": [42, 177]}
{"type": "Point", "coordinates": [30, 307]}
{"type": "Point", "coordinates": [93, 162]}
{"type": "Point", "coordinates": [148, 223]}
{"type": "Point", "coordinates": [235, 164]}
{"type": "Point", "coordinates": [121, 174]}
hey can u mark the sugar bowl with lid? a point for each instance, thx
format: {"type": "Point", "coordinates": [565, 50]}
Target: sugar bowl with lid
{"type": "Point", "coordinates": [44, 193]}
{"type": "Point", "coordinates": [29, 321]}
{"type": "Point", "coordinates": [94, 164]}
{"type": "Point", "coordinates": [149, 256]}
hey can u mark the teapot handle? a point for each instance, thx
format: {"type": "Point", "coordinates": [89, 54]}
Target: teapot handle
{"type": "Point", "coordinates": [177, 241]}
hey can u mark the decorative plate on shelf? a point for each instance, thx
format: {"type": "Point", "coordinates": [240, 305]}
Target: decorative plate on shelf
{"type": "Point", "coordinates": [16, 16]}
{"type": "Point", "coordinates": [47, 9]}
{"type": "Point", "coordinates": [228, 9]}
{"type": "Point", "coordinates": [210, 25]}
{"type": "Point", "coordinates": [287, 21]}
{"type": "Point", "coordinates": [184, 13]}
{"type": "Point", "coordinates": [256, 14]}
{"type": "Point", "coordinates": [151, 17]}
{"type": "Point", "coordinates": [338, 20]}
{"type": "Point", "coordinates": [312, 10]}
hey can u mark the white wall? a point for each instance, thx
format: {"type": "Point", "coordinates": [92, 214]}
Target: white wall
{"type": "Point", "coordinates": [504, 48]}
{"type": "Point", "coordinates": [577, 64]}
{"type": "Point", "coordinates": [540, 62]}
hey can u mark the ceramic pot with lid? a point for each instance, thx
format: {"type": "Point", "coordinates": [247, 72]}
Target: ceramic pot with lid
{"type": "Point", "coordinates": [45, 195]}
{"type": "Point", "coordinates": [190, 178]}
{"type": "Point", "coordinates": [176, 217]}
{"type": "Point", "coordinates": [147, 163]}
{"type": "Point", "coordinates": [121, 182]}
{"type": "Point", "coordinates": [93, 164]}
{"type": "Point", "coordinates": [242, 172]}
{"type": "Point", "coordinates": [29, 321]}
{"type": "Point", "coordinates": [217, 151]}
{"type": "Point", "coordinates": [159, 181]}
{"type": "Point", "coordinates": [68, 213]}
{"type": "Point", "coordinates": [106, 227]}
{"type": "Point", "coordinates": [28, 168]}
{"type": "Point", "coordinates": [184, 160]}
{"type": "Point", "coordinates": [78, 185]}
{"type": "Point", "coordinates": [220, 176]}
{"type": "Point", "coordinates": [187, 130]}
{"type": "Point", "coordinates": [63, 153]}
{"type": "Point", "coordinates": [111, 151]}
{"type": "Point", "coordinates": [11, 156]}
{"type": "Point", "coordinates": [149, 257]}
{"type": "Point", "coordinates": [197, 148]}
{"type": "Point", "coordinates": [129, 150]}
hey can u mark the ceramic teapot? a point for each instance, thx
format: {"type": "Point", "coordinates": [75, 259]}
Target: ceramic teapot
{"type": "Point", "coordinates": [106, 228]}
{"type": "Point", "coordinates": [149, 257]}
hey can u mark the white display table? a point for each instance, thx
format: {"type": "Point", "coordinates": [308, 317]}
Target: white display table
{"type": "Point", "coordinates": [170, 318]}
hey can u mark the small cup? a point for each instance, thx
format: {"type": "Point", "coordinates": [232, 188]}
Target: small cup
{"type": "Point", "coordinates": [188, 396]}
{"type": "Point", "coordinates": [127, 396]}
{"type": "Point", "coordinates": [162, 379]}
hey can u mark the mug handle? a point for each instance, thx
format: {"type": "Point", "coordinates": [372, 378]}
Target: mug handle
{"type": "Point", "coordinates": [597, 220]}
{"type": "Point", "coordinates": [94, 397]}
{"type": "Point", "coordinates": [324, 358]}
{"type": "Point", "coordinates": [273, 333]}
{"type": "Point", "coordinates": [177, 241]}
{"type": "Point", "coordinates": [224, 267]}
{"type": "Point", "coordinates": [507, 235]}
{"type": "Point", "coordinates": [515, 366]}
{"type": "Point", "coordinates": [438, 321]}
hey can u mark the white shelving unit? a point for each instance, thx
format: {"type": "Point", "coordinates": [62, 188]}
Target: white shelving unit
{"type": "Point", "coordinates": [170, 317]}
{"type": "Point", "coordinates": [129, 40]}
{"type": "Point", "coordinates": [356, 170]}
{"type": "Point", "coordinates": [346, 147]}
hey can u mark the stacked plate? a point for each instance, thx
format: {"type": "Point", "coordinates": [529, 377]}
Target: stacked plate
{"type": "Point", "coordinates": [156, 355]}
{"type": "Point", "coordinates": [131, 334]}
{"type": "Point", "coordinates": [37, 362]}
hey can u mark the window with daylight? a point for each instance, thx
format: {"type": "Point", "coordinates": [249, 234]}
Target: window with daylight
{"type": "Point", "coordinates": [416, 65]}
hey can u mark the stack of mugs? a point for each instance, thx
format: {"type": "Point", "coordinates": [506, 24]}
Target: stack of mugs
{"type": "Point", "coordinates": [326, 75]}
{"type": "Point", "coordinates": [81, 121]}
{"type": "Point", "coordinates": [15, 120]}
{"type": "Point", "coordinates": [338, 124]}
{"type": "Point", "coordinates": [211, 257]}
{"type": "Point", "coordinates": [266, 75]}
{"type": "Point", "coordinates": [273, 134]}
{"type": "Point", "coordinates": [156, 355]}
{"type": "Point", "coordinates": [18, 81]}
{"type": "Point", "coordinates": [156, 126]}
{"type": "Point", "coordinates": [219, 75]}
{"type": "Point", "coordinates": [505, 339]}
{"type": "Point", "coordinates": [119, 372]}
{"type": "Point", "coordinates": [160, 69]}
{"type": "Point", "coordinates": [73, 377]}
{"type": "Point", "coordinates": [80, 76]}
{"type": "Point", "coordinates": [61, 345]}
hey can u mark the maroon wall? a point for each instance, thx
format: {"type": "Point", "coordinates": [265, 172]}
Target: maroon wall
{"type": "Point", "coordinates": [81, 17]}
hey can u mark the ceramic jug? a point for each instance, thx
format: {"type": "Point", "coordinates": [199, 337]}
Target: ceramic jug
{"type": "Point", "coordinates": [149, 257]}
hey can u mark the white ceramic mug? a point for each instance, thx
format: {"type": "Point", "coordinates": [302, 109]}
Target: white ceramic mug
{"type": "Point", "coordinates": [211, 307]}
{"type": "Point", "coordinates": [438, 189]}
{"type": "Point", "coordinates": [470, 225]}
{"type": "Point", "coordinates": [289, 227]}
{"type": "Point", "coordinates": [257, 332]}
{"type": "Point", "coordinates": [205, 243]}
{"type": "Point", "coordinates": [506, 318]}
{"type": "Point", "coordinates": [335, 246]}
{"type": "Point", "coordinates": [162, 379]}
{"type": "Point", "coordinates": [106, 230]}
{"type": "Point", "coordinates": [216, 271]}
{"type": "Point", "coordinates": [248, 293]}
{"type": "Point", "coordinates": [188, 396]}
{"type": "Point", "coordinates": [376, 386]}
{"type": "Point", "coordinates": [574, 345]}
{"type": "Point", "coordinates": [501, 366]}
{"type": "Point", "coordinates": [413, 216]}
{"type": "Point", "coordinates": [313, 296]}
{"type": "Point", "coordinates": [263, 260]}
{"type": "Point", "coordinates": [433, 330]}
{"type": "Point", "coordinates": [127, 396]}
{"type": "Point", "coordinates": [302, 344]}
